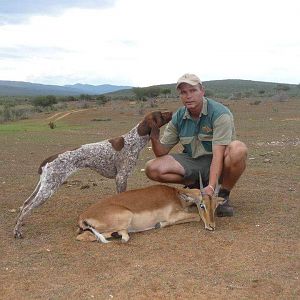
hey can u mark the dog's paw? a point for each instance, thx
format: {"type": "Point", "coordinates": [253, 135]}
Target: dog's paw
{"type": "Point", "coordinates": [18, 234]}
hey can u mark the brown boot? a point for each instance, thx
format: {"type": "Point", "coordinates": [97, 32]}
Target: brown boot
{"type": "Point", "coordinates": [224, 209]}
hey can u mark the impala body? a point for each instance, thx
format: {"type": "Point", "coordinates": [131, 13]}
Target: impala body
{"type": "Point", "coordinates": [138, 210]}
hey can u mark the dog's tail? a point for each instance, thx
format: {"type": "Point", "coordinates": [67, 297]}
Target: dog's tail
{"type": "Point", "coordinates": [34, 193]}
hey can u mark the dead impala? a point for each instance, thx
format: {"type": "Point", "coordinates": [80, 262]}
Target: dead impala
{"type": "Point", "coordinates": [138, 210]}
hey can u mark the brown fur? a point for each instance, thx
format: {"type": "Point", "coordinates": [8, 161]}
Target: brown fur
{"type": "Point", "coordinates": [155, 119]}
{"type": "Point", "coordinates": [51, 158]}
{"type": "Point", "coordinates": [142, 209]}
{"type": "Point", "coordinates": [117, 143]}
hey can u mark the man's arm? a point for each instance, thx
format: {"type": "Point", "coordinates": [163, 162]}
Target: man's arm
{"type": "Point", "coordinates": [215, 168]}
{"type": "Point", "coordinates": [158, 148]}
{"type": "Point", "coordinates": [223, 134]}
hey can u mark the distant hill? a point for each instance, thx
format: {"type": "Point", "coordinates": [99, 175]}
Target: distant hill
{"type": "Point", "coordinates": [228, 88]}
{"type": "Point", "coordinates": [214, 88]}
{"type": "Point", "coordinates": [20, 88]}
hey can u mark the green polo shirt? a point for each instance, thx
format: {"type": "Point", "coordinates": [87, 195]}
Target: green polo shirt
{"type": "Point", "coordinates": [214, 127]}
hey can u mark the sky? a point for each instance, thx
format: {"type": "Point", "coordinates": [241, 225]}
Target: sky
{"type": "Point", "coordinates": [148, 42]}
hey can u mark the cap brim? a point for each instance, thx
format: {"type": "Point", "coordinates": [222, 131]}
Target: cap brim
{"type": "Point", "coordinates": [186, 81]}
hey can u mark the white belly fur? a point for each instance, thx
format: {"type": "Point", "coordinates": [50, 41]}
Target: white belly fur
{"type": "Point", "coordinates": [147, 220]}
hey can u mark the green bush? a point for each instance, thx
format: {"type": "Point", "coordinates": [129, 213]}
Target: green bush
{"type": "Point", "coordinates": [13, 113]}
{"type": "Point", "coordinates": [44, 101]}
{"type": "Point", "coordinates": [209, 93]}
{"type": "Point", "coordinates": [101, 100]}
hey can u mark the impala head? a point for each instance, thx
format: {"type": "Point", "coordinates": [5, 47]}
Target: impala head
{"type": "Point", "coordinates": [206, 205]}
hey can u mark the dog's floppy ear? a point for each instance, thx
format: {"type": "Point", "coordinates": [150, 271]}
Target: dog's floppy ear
{"type": "Point", "coordinates": [154, 134]}
{"type": "Point", "coordinates": [145, 126]}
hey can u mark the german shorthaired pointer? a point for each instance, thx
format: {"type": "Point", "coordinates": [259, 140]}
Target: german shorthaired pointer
{"type": "Point", "coordinates": [114, 158]}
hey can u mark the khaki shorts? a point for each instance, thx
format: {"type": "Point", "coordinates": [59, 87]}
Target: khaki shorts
{"type": "Point", "coordinates": [192, 166]}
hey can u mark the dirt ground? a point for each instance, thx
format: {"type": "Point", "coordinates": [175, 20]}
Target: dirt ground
{"type": "Point", "coordinates": [254, 255]}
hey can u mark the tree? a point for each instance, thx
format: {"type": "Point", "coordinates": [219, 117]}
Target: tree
{"type": "Point", "coordinates": [282, 87]}
{"type": "Point", "coordinates": [85, 97]}
{"type": "Point", "coordinates": [152, 92]}
{"type": "Point", "coordinates": [140, 93]}
{"type": "Point", "coordinates": [165, 92]}
{"type": "Point", "coordinates": [44, 101]}
{"type": "Point", "coordinates": [101, 99]}
{"type": "Point", "coordinates": [209, 93]}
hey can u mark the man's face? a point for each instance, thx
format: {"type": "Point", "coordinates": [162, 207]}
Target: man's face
{"type": "Point", "coordinates": [191, 96]}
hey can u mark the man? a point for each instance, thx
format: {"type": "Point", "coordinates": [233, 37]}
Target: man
{"type": "Point", "coordinates": [206, 131]}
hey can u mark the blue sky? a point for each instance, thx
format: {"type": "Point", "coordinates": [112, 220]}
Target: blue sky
{"type": "Point", "coordinates": [146, 42]}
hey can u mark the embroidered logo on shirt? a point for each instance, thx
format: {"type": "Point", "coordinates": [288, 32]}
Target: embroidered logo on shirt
{"type": "Point", "coordinates": [206, 129]}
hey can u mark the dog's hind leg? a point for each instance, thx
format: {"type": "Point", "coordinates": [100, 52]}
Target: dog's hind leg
{"type": "Point", "coordinates": [44, 190]}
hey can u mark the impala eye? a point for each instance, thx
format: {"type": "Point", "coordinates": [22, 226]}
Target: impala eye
{"type": "Point", "coordinates": [202, 206]}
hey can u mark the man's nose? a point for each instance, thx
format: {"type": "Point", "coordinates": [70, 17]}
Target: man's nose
{"type": "Point", "coordinates": [189, 95]}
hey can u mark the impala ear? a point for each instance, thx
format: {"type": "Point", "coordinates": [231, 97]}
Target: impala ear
{"type": "Point", "coordinates": [182, 193]}
{"type": "Point", "coordinates": [185, 195]}
{"type": "Point", "coordinates": [220, 200]}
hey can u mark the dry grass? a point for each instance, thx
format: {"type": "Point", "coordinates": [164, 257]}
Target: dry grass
{"type": "Point", "coordinates": [254, 255]}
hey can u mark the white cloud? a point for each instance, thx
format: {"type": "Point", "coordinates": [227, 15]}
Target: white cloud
{"type": "Point", "coordinates": [143, 42]}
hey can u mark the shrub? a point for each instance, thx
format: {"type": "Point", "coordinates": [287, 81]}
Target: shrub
{"type": "Point", "coordinates": [83, 104]}
{"type": "Point", "coordinates": [101, 100]}
{"type": "Point", "coordinates": [85, 97]}
{"type": "Point", "coordinates": [209, 93]}
{"type": "Point", "coordinates": [44, 101]}
{"type": "Point", "coordinates": [12, 113]}
{"type": "Point", "coordinates": [256, 102]}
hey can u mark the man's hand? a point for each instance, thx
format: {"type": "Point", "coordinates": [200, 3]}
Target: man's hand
{"type": "Point", "coordinates": [209, 190]}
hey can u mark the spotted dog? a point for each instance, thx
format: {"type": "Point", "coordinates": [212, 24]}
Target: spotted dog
{"type": "Point", "coordinates": [113, 158]}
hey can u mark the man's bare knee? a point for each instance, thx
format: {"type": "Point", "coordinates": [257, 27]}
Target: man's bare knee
{"type": "Point", "coordinates": [237, 152]}
{"type": "Point", "coordinates": [151, 169]}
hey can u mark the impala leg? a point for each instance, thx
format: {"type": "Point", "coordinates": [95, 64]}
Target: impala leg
{"type": "Point", "coordinates": [179, 218]}
{"type": "Point", "coordinates": [125, 235]}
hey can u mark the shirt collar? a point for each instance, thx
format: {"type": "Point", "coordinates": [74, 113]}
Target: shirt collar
{"type": "Point", "coordinates": [203, 112]}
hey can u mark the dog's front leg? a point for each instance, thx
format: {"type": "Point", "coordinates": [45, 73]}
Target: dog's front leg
{"type": "Point", "coordinates": [121, 182]}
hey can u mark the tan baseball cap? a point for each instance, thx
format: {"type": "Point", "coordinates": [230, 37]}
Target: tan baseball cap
{"type": "Point", "coordinates": [191, 79]}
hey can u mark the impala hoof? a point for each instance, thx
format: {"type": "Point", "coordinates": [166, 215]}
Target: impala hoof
{"type": "Point", "coordinates": [157, 225]}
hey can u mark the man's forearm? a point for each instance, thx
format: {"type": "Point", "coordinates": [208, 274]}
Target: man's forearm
{"type": "Point", "coordinates": [215, 172]}
{"type": "Point", "coordinates": [158, 148]}
{"type": "Point", "coordinates": [216, 165]}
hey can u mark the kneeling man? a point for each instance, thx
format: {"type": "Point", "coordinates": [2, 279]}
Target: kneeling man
{"type": "Point", "coordinates": [205, 128]}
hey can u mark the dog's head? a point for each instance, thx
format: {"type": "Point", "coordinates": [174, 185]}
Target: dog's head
{"type": "Point", "coordinates": [153, 121]}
